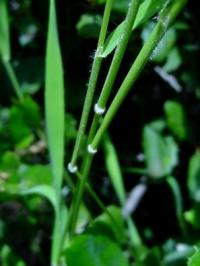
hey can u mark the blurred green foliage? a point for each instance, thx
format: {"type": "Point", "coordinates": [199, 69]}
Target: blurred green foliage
{"type": "Point", "coordinates": [157, 132]}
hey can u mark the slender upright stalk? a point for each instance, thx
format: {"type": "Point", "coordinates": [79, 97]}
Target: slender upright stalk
{"type": "Point", "coordinates": [116, 61]}
{"type": "Point", "coordinates": [74, 209]}
{"type": "Point", "coordinates": [54, 113]}
{"type": "Point", "coordinates": [92, 81]}
{"type": "Point", "coordinates": [13, 79]}
{"type": "Point", "coordinates": [89, 190]}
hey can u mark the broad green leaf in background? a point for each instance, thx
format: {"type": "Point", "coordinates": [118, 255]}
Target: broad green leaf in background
{"type": "Point", "coordinates": [44, 191]}
{"type": "Point", "coordinates": [164, 47]}
{"type": "Point", "coordinates": [89, 25]}
{"type": "Point", "coordinates": [178, 257]}
{"type": "Point", "coordinates": [10, 161]}
{"type": "Point", "coordinates": [109, 224]}
{"type": "Point", "coordinates": [176, 119]}
{"type": "Point", "coordinates": [195, 259]}
{"type": "Point", "coordinates": [94, 250]}
{"type": "Point", "coordinates": [4, 32]}
{"type": "Point", "coordinates": [24, 120]}
{"type": "Point", "coordinates": [150, 258]}
{"type": "Point", "coordinates": [118, 5]}
{"type": "Point", "coordinates": [192, 216]}
{"type": "Point", "coordinates": [113, 168]}
{"type": "Point", "coordinates": [7, 257]}
{"type": "Point", "coordinates": [193, 181]}
{"type": "Point", "coordinates": [54, 99]}
{"type": "Point", "coordinates": [23, 177]}
{"type": "Point", "coordinates": [147, 9]}
{"type": "Point", "coordinates": [30, 72]}
{"type": "Point", "coordinates": [174, 60]}
{"type": "Point", "coordinates": [84, 218]}
{"type": "Point", "coordinates": [161, 152]}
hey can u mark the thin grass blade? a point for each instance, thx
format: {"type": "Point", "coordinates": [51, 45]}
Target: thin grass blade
{"type": "Point", "coordinates": [4, 32]}
{"type": "Point", "coordinates": [113, 168]}
{"type": "Point", "coordinates": [54, 99]}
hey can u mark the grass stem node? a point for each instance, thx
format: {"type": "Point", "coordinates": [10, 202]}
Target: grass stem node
{"type": "Point", "coordinates": [98, 109]}
{"type": "Point", "coordinates": [91, 150]}
{"type": "Point", "coordinates": [72, 168]}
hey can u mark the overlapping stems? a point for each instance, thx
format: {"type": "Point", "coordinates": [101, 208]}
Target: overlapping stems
{"type": "Point", "coordinates": [166, 18]}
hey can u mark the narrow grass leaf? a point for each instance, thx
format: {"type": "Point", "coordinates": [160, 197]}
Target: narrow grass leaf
{"type": "Point", "coordinates": [5, 50]}
{"type": "Point", "coordinates": [147, 9]}
{"type": "Point", "coordinates": [114, 171]}
{"type": "Point", "coordinates": [178, 200]}
{"type": "Point", "coordinates": [44, 191]}
{"type": "Point", "coordinates": [4, 32]}
{"type": "Point", "coordinates": [193, 182]}
{"type": "Point", "coordinates": [59, 241]}
{"type": "Point", "coordinates": [54, 99]}
{"type": "Point", "coordinates": [113, 168]}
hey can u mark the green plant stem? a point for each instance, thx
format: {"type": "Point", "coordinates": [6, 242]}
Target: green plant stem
{"type": "Point", "coordinates": [89, 190]}
{"type": "Point", "coordinates": [115, 65]}
{"type": "Point", "coordinates": [58, 243]}
{"type": "Point", "coordinates": [116, 61]}
{"type": "Point", "coordinates": [138, 171]}
{"type": "Point", "coordinates": [74, 208]}
{"type": "Point", "coordinates": [136, 241]}
{"type": "Point", "coordinates": [166, 18]}
{"type": "Point", "coordinates": [119, 52]}
{"type": "Point", "coordinates": [92, 81]}
{"type": "Point", "coordinates": [174, 186]}
{"type": "Point", "coordinates": [13, 79]}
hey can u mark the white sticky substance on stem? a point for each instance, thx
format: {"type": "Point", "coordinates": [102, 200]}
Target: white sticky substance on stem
{"type": "Point", "coordinates": [98, 109]}
{"type": "Point", "coordinates": [72, 168]}
{"type": "Point", "coordinates": [91, 150]}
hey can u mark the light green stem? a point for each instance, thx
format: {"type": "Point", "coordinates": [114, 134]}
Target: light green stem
{"type": "Point", "coordinates": [174, 186]}
{"type": "Point", "coordinates": [89, 190]}
{"type": "Point", "coordinates": [92, 81]}
{"type": "Point", "coordinates": [119, 52]}
{"type": "Point", "coordinates": [74, 209]}
{"type": "Point", "coordinates": [165, 20]}
{"type": "Point", "coordinates": [116, 61]}
{"type": "Point", "coordinates": [13, 79]}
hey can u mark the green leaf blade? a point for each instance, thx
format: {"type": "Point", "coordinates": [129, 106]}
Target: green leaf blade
{"type": "Point", "coordinates": [147, 9]}
{"type": "Point", "coordinates": [4, 32]}
{"type": "Point", "coordinates": [195, 259]}
{"type": "Point", "coordinates": [114, 170]}
{"type": "Point", "coordinates": [54, 99]}
{"type": "Point", "coordinates": [161, 153]}
{"type": "Point", "coordinates": [44, 191]}
{"type": "Point", "coordinates": [176, 119]}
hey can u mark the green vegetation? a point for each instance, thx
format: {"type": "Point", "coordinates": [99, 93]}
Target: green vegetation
{"type": "Point", "coordinates": [99, 167]}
